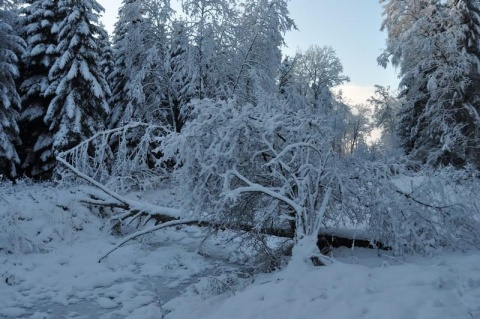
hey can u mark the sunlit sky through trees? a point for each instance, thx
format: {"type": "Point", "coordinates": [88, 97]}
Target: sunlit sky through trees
{"type": "Point", "coordinates": [351, 27]}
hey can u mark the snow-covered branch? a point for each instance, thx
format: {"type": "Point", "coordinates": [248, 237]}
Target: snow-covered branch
{"type": "Point", "coordinates": [131, 206]}
{"type": "Point", "coordinates": [147, 231]}
{"type": "Point", "coordinates": [253, 187]}
{"type": "Point", "coordinates": [120, 158]}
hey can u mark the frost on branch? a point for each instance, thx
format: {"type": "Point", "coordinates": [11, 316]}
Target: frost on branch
{"type": "Point", "coordinates": [120, 158]}
{"type": "Point", "coordinates": [260, 165]}
{"type": "Point", "coordinates": [271, 165]}
{"type": "Point", "coordinates": [424, 211]}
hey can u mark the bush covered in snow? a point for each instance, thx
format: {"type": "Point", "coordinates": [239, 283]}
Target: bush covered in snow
{"type": "Point", "coordinates": [419, 212]}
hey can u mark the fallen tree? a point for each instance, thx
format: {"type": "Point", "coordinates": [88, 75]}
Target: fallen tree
{"type": "Point", "coordinates": [164, 217]}
{"type": "Point", "coordinates": [269, 171]}
{"type": "Point", "coordinates": [260, 170]}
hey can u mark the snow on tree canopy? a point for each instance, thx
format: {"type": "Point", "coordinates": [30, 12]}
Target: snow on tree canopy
{"type": "Point", "coordinates": [79, 107]}
{"type": "Point", "coordinates": [11, 48]}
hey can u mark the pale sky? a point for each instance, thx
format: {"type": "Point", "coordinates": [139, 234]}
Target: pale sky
{"type": "Point", "coordinates": [350, 27]}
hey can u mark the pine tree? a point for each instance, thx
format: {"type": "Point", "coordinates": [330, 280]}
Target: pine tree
{"type": "Point", "coordinates": [39, 28]}
{"type": "Point", "coordinates": [128, 45]}
{"type": "Point", "coordinates": [79, 108]}
{"type": "Point", "coordinates": [11, 47]}
{"type": "Point", "coordinates": [118, 77]}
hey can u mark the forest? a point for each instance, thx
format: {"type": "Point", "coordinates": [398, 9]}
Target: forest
{"type": "Point", "coordinates": [194, 125]}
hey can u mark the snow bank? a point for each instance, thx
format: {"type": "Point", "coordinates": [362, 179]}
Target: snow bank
{"type": "Point", "coordinates": [447, 287]}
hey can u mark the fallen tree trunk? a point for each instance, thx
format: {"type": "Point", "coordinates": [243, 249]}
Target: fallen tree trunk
{"type": "Point", "coordinates": [327, 239]}
{"type": "Point", "coordinates": [167, 217]}
{"type": "Point", "coordinates": [133, 211]}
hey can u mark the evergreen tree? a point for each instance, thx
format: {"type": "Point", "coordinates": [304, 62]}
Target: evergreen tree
{"type": "Point", "coordinates": [105, 52]}
{"type": "Point", "coordinates": [40, 30]}
{"type": "Point", "coordinates": [79, 107]}
{"type": "Point", "coordinates": [138, 76]}
{"type": "Point", "coordinates": [286, 77]}
{"type": "Point", "coordinates": [11, 47]}
{"type": "Point", "coordinates": [436, 45]}
{"type": "Point", "coordinates": [118, 77]}
{"type": "Point", "coordinates": [180, 76]}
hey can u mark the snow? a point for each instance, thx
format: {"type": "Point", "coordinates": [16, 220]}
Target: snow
{"type": "Point", "coordinates": [43, 141]}
{"type": "Point", "coordinates": [85, 71]}
{"type": "Point", "coordinates": [61, 276]}
{"type": "Point", "coordinates": [443, 287]}
{"type": "Point", "coordinates": [70, 105]}
{"type": "Point", "coordinates": [72, 73]}
{"type": "Point", "coordinates": [55, 272]}
{"type": "Point", "coordinates": [38, 49]}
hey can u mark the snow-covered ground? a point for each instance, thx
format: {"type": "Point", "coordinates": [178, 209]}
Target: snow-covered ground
{"type": "Point", "coordinates": [49, 269]}
{"type": "Point", "coordinates": [443, 287]}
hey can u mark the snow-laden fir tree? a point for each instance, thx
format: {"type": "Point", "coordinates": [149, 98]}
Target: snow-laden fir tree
{"type": "Point", "coordinates": [286, 81]}
{"type": "Point", "coordinates": [436, 46]}
{"type": "Point", "coordinates": [105, 52]}
{"type": "Point", "coordinates": [39, 29]}
{"type": "Point", "coordinates": [129, 15]}
{"type": "Point", "coordinates": [180, 71]}
{"type": "Point", "coordinates": [11, 47]}
{"type": "Point", "coordinates": [137, 79]}
{"type": "Point", "coordinates": [79, 108]}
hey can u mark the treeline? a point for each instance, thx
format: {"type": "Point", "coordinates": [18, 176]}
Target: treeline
{"type": "Point", "coordinates": [64, 80]}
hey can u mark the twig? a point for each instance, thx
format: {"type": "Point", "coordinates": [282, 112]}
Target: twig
{"type": "Point", "coordinates": [91, 181]}
{"type": "Point", "coordinates": [224, 283]}
{"type": "Point", "coordinates": [160, 304]}
{"type": "Point", "coordinates": [147, 231]}
{"type": "Point", "coordinates": [410, 196]}
{"type": "Point", "coordinates": [393, 258]}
